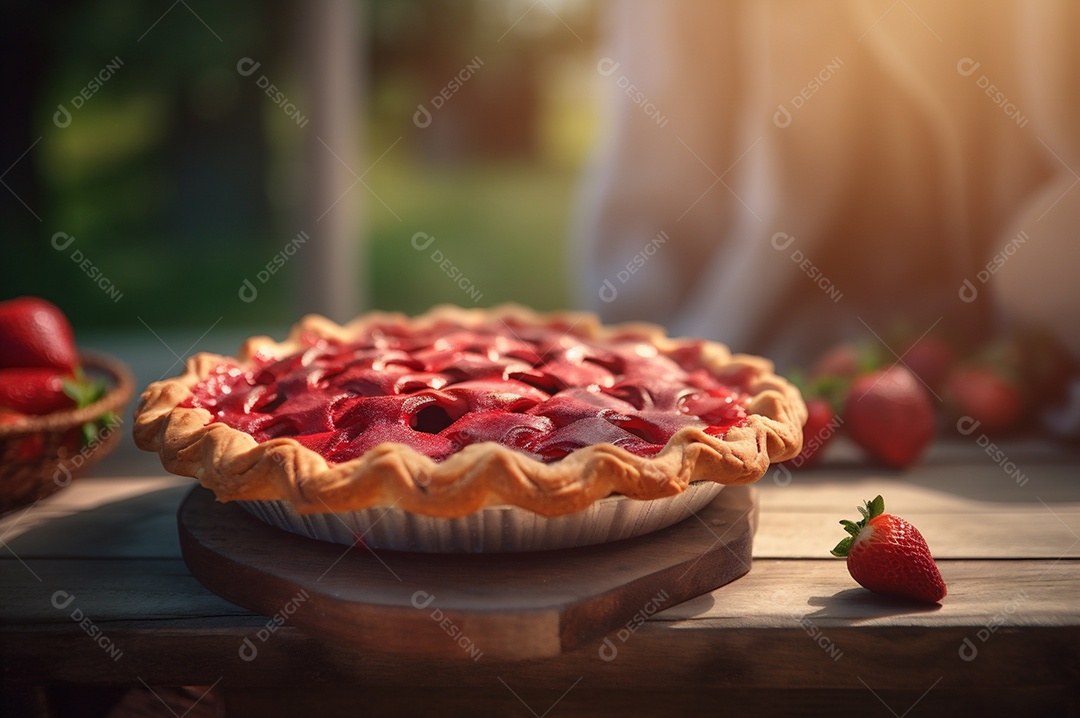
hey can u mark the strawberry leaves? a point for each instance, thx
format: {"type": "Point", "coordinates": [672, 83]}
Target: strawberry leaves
{"type": "Point", "coordinates": [873, 508]}
{"type": "Point", "coordinates": [868, 511]}
{"type": "Point", "coordinates": [84, 392]}
{"type": "Point", "coordinates": [830, 387]}
{"type": "Point", "coordinates": [841, 550]}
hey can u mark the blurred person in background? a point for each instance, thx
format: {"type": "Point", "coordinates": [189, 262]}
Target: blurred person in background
{"type": "Point", "coordinates": [784, 175]}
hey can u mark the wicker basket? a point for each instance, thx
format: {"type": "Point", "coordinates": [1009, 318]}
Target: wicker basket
{"type": "Point", "coordinates": [42, 454]}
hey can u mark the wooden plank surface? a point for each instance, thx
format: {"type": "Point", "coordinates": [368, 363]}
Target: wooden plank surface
{"type": "Point", "coordinates": [1006, 551]}
{"type": "Point", "coordinates": [976, 487]}
{"type": "Point", "coordinates": [760, 630]}
{"type": "Point", "coordinates": [776, 593]}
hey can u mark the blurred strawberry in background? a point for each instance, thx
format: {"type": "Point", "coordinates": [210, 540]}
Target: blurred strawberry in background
{"type": "Point", "coordinates": [989, 395]}
{"type": "Point", "coordinates": [891, 406]}
{"type": "Point", "coordinates": [890, 414]}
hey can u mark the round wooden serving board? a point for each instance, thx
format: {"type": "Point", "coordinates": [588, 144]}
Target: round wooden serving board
{"type": "Point", "coordinates": [510, 606]}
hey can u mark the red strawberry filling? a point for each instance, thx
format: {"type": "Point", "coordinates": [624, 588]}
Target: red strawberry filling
{"type": "Point", "coordinates": [534, 389]}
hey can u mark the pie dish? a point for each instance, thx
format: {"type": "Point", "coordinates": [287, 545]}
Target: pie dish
{"type": "Point", "coordinates": [492, 529]}
{"type": "Point", "coordinates": [455, 411]}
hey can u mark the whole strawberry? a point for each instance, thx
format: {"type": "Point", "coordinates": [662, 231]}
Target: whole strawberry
{"type": "Point", "coordinates": [988, 395]}
{"type": "Point", "coordinates": [889, 414]}
{"type": "Point", "coordinates": [888, 555]}
{"type": "Point", "coordinates": [35, 333]}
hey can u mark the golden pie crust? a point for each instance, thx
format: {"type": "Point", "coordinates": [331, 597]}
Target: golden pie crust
{"type": "Point", "coordinates": [236, 467]}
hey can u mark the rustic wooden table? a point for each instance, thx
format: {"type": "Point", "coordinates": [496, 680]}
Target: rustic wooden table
{"type": "Point", "coordinates": [94, 592]}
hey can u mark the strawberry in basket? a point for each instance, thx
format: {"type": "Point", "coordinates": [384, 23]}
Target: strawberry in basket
{"type": "Point", "coordinates": [39, 364]}
{"type": "Point", "coordinates": [58, 409]}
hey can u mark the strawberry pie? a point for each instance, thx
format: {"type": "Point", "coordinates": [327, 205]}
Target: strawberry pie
{"type": "Point", "coordinates": [456, 410]}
